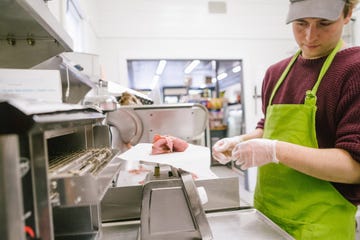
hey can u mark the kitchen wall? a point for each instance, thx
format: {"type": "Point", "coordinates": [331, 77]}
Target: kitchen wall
{"type": "Point", "coordinates": [356, 16]}
{"type": "Point", "coordinates": [89, 41]}
{"type": "Point", "coordinates": [251, 30]}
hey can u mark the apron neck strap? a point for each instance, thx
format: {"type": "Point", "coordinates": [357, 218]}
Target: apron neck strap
{"type": "Point", "coordinates": [310, 94]}
{"type": "Point", "coordinates": [284, 74]}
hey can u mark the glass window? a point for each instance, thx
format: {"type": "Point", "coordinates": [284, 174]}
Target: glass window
{"type": "Point", "coordinates": [198, 76]}
{"type": "Point", "coordinates": [74, 24]}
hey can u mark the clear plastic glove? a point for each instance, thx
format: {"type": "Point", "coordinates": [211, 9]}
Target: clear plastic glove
{"type": "Point", "coordinates": [222, 149]}
{"type": "Point", "coordinates": [255, 153]}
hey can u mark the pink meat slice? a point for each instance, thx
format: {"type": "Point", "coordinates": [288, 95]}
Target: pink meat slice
{"type": "Point", "coordinates": [162, 145]}
{"type": "Point", "coordinates": [179, 145]}
{"type": "Point", "coordinates": [166, 144]}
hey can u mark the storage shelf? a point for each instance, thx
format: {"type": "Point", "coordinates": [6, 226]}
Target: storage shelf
{"type": "Point", "coordinates": [29, 34]}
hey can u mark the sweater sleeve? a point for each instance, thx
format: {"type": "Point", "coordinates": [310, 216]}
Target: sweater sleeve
{"type": "Point", "coordinates": [348, 114]}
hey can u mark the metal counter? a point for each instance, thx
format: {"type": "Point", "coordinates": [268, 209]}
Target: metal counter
{"type": "Point", "coordinates": [239, 224]}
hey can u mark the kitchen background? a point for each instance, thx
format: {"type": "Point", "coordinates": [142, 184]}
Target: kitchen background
{"type": "Point", "coordinates": [253, 31]}
{"type": "Point", "coordinates": [148, 46]}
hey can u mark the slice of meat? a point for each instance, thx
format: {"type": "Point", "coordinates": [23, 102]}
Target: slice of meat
{"type": "Point", "coordinates": [179, 145]}
{"type": "Point", "coordinates": [139, 170]}
{"type": "Point", "coordinates": [162, 145]}
{"type": "Point", "coordinates": [167, 144]}
{"type": "Point", "coordinates": [156, 137]}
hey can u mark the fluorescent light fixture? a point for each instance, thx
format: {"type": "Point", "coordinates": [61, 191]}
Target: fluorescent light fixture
{"type": "Point", "coordinates": [195, 91]}
{"type": "Point", "coordinates": [236, 69]}
{"type": "Point", "coordinates": [191, 66]}
{"type": "Point", "coordinates": [161, 67]}
{"type": "Point", "coordinates": [213, 65]}
{"type": "Point", "coordinates": [221, 76]}
{"type": "Point", "coordinates": [156, 78]}
{"type": "Point", "coordinates": [155, 82]}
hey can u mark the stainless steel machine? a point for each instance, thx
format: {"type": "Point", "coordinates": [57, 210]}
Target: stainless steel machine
{"type": "Point", "coordinates": [139, 124]}
{"type": "Point", "coordinates": [56, 165]}
{"type": "Point", "coordinates": [59, 170]}
{"type": "Point", "coordinates": [167, 205]}
{"type": "Point", "coordinates": [170, 207]}
{"type": "Point", "coordinates": [29, 34]}
{"type": "Point", "coordinates": [160, 192]}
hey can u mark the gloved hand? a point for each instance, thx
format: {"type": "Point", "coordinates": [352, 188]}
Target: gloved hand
{"type": "Point", "coordinates": [221, 150]}
{"type": "Point", "coordinates": [254, 153]}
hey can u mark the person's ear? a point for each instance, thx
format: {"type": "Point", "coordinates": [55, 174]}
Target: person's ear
{"type": "Point", "coordinates": [348, 17]}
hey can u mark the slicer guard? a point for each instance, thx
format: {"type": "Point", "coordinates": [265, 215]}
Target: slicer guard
{"type": "Point", "coordinates": [171, 208]}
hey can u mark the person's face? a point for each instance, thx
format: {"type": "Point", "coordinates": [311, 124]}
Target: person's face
{"type": "Point", "coordinates": [317, 37]}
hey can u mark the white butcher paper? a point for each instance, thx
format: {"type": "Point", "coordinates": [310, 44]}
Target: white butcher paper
{"type": "Point", "coordinates": [195, 159]}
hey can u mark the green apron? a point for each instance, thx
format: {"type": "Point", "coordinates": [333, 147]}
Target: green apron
{"type": "Point", "coordinates": [304, 206]}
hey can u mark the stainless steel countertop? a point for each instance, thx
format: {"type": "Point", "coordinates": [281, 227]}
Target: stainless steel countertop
{"type": "Point", "coordinates": [245, 224]}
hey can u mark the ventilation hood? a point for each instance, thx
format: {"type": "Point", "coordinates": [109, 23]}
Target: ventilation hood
{"type": "Point", "coordinates": [29, 34]}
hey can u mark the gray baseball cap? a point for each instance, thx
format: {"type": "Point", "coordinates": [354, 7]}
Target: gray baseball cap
{"type": "Point", "coordinates": [326, 9]}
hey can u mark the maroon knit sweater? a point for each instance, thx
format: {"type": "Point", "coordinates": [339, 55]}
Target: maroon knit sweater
{"type": "Point", "coordinates": [338, 102]}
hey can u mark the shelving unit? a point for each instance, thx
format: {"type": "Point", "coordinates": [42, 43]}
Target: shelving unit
{"type": "Point", "coordinates": [29, 34]}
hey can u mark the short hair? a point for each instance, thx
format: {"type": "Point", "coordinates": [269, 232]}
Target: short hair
{"type": "Point", "coordinates": [349, 5]}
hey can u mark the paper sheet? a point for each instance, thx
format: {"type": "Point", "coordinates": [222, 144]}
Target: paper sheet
{"type": "Point", "coordinates": [36, 84]}
{"type": "Point", "coordinates": [195, 159]}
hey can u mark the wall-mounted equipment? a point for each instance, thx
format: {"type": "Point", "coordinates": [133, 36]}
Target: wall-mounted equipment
{"type": "Point", "coordinates": [75, 84]}
{"type": "Point", "coordinates": [29, 34]}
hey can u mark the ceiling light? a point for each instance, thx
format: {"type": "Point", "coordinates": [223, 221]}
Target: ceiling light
{"type": "Point", "coordinates": [213, 65]}
{"type": "Point", "coordinates": [236, 69]}
{"type": "Point", "coordinates": [156, 78]}
{"type": "Point", "coordinates": [155, 81]}
{"type": "Point", "coordinates": [191, 66]}
{"type": "Point", "coordinates": [161, 67]}
{"type": "Point", "coordinates": [195, 91]}
{"type": "Point", "coordinates": [221, 76]}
